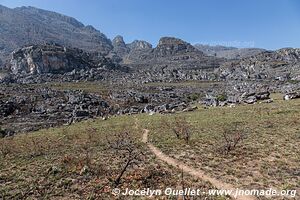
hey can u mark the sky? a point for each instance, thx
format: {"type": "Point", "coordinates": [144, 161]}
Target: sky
{"type": "Point", "coordinates": [270, 24]}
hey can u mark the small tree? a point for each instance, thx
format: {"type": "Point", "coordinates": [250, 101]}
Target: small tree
{"type": "Point", "coordinates": [2, 133]}
{"type": "Point", "coordinates": [125, 146]}
{"type": "Point", "coordinates": [232, 136]}
{"type": "Point", "coordinates": [181, 128]}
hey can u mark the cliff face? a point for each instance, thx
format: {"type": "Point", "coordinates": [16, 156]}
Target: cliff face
{"type": "Point", "coordinates": [40, 59]}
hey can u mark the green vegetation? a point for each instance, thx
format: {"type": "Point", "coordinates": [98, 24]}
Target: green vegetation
{"type": "Point", "coordinates": [82, 161]}
{"type": "Point", "coordinates": [1, 132]}
{"type": "Point", "coordinates": [202, 84]}
{"type": "Point", "coordinates": [268, 155]}
{"type": "Point", "coordinates": [294, 81]}
{"type": "Point", "coordinates": [194, 96]}
{"type": "Point", "coordinates": [78, 161]}
{"type": "Point", "coordinates": [222, 97]}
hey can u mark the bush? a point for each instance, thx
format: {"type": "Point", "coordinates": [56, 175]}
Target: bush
{"type": "Point", "coordinates": [2, 133]}
{"type": "Point", "coordinates": [232, 137]}
{"type": "Point", "coordinates": [222, 97]}
{"type": "Point", "coordinates": [181, 128]}
{"type": "Point", "coordinates": [193, 96]}
{"type": "Point", "coordinates": [125, 146]}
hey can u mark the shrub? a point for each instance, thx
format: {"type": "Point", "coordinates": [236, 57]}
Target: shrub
{"type": "Point", "coordinates": [193, 96]}
{"type": "Point", "coordinates": [181, 128]}
{"type": "Point", "coordinates": [2, 133]}
{"type": "Point", "coordinates": [232, 137]}
{"type": "Point", "coordinates": [222, 97]}
{"type": "Point", "coordinates": [128, 151]}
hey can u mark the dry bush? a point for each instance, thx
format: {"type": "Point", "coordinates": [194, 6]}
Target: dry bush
{"type": "Point", "coordinates": [7, 146]}
{"type": "Point", "coordinates": [180, 127]}
{"type": "Point", "coordinates": [232, 137]}
{"type": "Point", "coordinates": [128, 151]}
{"type": "Point", "coordinates": [87, 145]}
{"type": "Point", "coordinates": [38, 146]}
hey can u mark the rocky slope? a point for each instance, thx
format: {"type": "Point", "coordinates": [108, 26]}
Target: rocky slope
{"type": "Point", "coordinates": [228, 52]}
{"type": "Point", "coordinates": [174, 59]}
{"type": "Point", "coordinates": [139, 49]}
{"type": "Point", "coordinates": [126, 53]}
{"type": "Point", "coordinates": [49, 63]}
{"type": "Point", "coordinates": [169, 50]}
{"type": "Point", "coordinates": [120, 48]}
{"type": "Point", "coordinates": [27, 25]}
{"type": "Point", "coordinates": [40, 59]}
{"type": "Point", "coordinates": [26, 109]}
{"type": "Point", "coordinates": [283, 64]}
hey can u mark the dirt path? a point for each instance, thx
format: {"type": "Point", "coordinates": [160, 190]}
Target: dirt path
{"type": "Point", "coordinates": [192, 171]}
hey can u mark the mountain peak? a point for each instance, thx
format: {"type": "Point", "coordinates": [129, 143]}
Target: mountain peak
{"type": "Point", "coordinates": [140, 45]}
{"type": "Point", "coordinates": [172, 45]}
{"type": "Point", "coordinates": [171, 41]}
{"type": "Point", "coordinates": [118, 41]}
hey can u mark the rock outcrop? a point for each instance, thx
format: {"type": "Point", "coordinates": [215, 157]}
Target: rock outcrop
{"type": "Point", "coordinates": [120, 47]}
{"type": "Point", "coordinates": [282, 65]}
{"type": "Point", "coordinates": [173, 60]}
{"type": "Point", "coordinates": [25, 109]}
{"type": "Point", "coordinates": [169, 46]}
{"type": "Point", "coordinates": [139, 45]}
{"type": "Point", "coordinates": [228, 52]}
{"type": "Point", "coordinates": [41, 59]}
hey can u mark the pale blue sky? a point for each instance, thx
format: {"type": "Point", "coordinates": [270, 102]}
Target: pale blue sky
{"type": "Point", "coordinates": [268, 24]}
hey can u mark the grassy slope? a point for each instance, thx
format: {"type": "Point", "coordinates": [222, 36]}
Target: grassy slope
{"type": "Point", "coordinates": [49, 163]}
{"type": "Point", "coordinates": [268, 157]}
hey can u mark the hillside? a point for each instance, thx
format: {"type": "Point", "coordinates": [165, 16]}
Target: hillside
{"type": "Point", "coordinates": [228, 52]}
{"type": "Point", "coordinates": [282, 65]}
{"type": "Point", "coordinates": [28, 25]}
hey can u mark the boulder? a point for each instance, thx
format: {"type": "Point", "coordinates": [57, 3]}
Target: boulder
{"type": "Point", "coordinates": [263, 95]}
{"type": "Point", "coordinates": [250, 99]}
{"type": "Point", "coordinates": [292, 95]}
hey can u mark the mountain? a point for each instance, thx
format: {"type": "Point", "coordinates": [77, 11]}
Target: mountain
{"type": "Point", "coordinates": [283, 64]}
{"type": "Point", "coordinates": [125, 53]}
{"type": "Point", "coordinates": [228, 52]}
{"type": "Point", "coordinates": [170, 50]}
{"type": "Point", "coordinates": [120, 48]}
{"type": "Point", "coordinates": [28, 25]}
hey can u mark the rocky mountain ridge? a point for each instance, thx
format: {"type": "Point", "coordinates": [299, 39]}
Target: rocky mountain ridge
{"type": "Point", "coordinates": [283, 65]}
{"type": "Point", "coordinates": [171, 60]}
{"type": "Point", "coordinates": [25, 26]}
{"type": "Point", "coordinates": [228, 52]}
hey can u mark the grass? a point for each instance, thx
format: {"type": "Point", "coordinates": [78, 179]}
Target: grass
{"type": "Point", "coordinates": [75, 162]}
{"type": "Point", "coordinates": [202, 84]}
{"type": "Point", "coordinates": [51, 163]}
{"type": "Point", "coordinates": [268, 157]}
